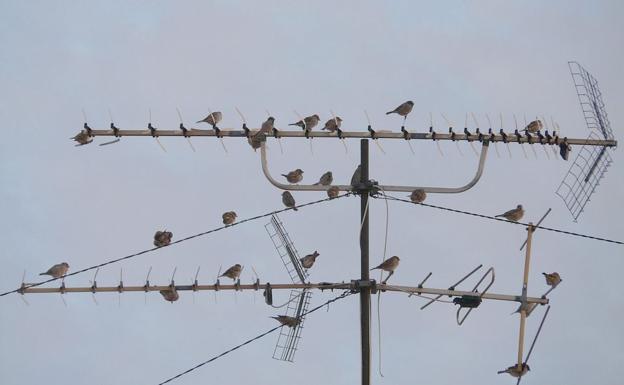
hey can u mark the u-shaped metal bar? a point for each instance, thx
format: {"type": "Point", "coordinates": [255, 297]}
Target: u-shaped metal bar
{"type": "Point", "coordinates": [433, 190]}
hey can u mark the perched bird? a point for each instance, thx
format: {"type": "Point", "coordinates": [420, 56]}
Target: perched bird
{"type": "Point", "coordinates": [162, 238]}
{"type": "Point", "coordinates": [229, 217]}
{"type": "Point", "coordinates": [233, 272]}
{"type": "Point", "coordinates": [534, 126]}
{"type": "Point", "coordinates": [333, 191]}
{"type": "Point", "coordinates": [513, 215]}
{"type": "Point", "coordinates": [58, 270]}
{"type": "Point", "coordinates": [326, 179]}
{"type": "Point", "coordinates": [403, 110]}
{"type": "Point", "coordinates": [389, 264]}
{"type": "Point", "coordinates": [309, 259]}
{"type": "Point", "coordinates": [294, 176]}
{"type": "Point", "coordinates": [255, 141]}
{"type": "Point", "coordinates": [82, 138]}
{"type": "Point", "coordinates": [357, 175]}
{"type": "Point", "coordinates": [418, 196]}
{"type": "Point", "coordinates": [267, 126]}
{"type": "Point", "coordinates": [515, 372]}
{"type": "Point", "coordinates": [332, 124]}
{"type": "Point", "coordinates": [308, 122]}
{"type": "Point", "coordinates": [288, 200]}
{"type": "Point", "coordinates": [170, 295]}
{"type": "Point", "coordinates": [212, 119]}
{"type": "Point", "coordinates": [287, 320]}
{"type": "Point", "coordinates": [553, 279]}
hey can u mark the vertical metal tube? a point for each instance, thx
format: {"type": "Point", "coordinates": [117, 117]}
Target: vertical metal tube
{"type": "Point", "coordinates": [364, 292]}
{"type": "Point", "coordinates": [525, 280]}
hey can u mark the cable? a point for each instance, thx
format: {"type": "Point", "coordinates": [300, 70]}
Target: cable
{"type": "Point", "coordinates": [341, 296]}
{"type": "Point", "coordinates": [171, 244]}
{"type": "Point", "coordinates": [502, 220]}
{"type": "Point", "coordinates": [381, 280]}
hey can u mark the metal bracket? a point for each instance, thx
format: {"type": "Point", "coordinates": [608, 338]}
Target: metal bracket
{"type": "Point", "coordinates": [347, 188]}
{"type": "Point", "coordinates": [357, 285]}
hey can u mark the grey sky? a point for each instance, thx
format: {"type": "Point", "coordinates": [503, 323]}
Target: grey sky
{"type": "Point", "coordinates": [89, 204]}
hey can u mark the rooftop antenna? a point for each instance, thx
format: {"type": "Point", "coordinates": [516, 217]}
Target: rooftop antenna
{"type": "Point", "coordinates": [120, 287]}
{"type": "Point", "coordinates": [541, 136]}
{"type": "Point", "coordinates": [147, 285]}
{"type": "Point", "coordinates": [433, 134]}
{"type": "Point", "coordinates": [94, 286]}
{"type": "Point", "coordinates": [491, 133]}
{"type": "Point", "coordinates": [195, 283]}
{"type": "Point", "coordinates": [184, 130]}
{"type": "Point", "coordinates": [469, 136]}
{"type": "Point", "coordinates": [288, 339]}
{"type": "Point", "coordinates": [504, 135]}
{"type": "Point", "coordinates": [518, 133]}
{"type": "Point", "coordinates": [591, 163]}
{"type": "Point", "coordinates": [22, 286]}
{"type": "Point", "coordinates": [153, 131]}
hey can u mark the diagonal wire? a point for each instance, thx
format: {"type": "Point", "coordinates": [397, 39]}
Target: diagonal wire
{"type": "Point", "coordinates": [501, 220]}
{"type": "Point", "coordinates": [171, 244]}
{"type": "Point", "coordinates": [341, 296]}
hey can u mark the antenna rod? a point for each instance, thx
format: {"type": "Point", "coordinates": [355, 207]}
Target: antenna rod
{"type": "Point", "coordinates": [365, 291]}
{"type": "Point", "coordinates": [523, 305]}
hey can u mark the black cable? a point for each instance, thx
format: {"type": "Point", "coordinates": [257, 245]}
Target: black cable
{"type": "Point", "coordinates": [172, 243]}
{"type": "Point", "coordinates": [388, 197]}
{"type": "Point", "coordinates": [341, 296]}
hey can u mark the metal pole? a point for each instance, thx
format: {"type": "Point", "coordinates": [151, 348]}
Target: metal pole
{"type": "Point", "coordinates": [525, 280]}
{"type": "Point", "coordinates": [364, 291]}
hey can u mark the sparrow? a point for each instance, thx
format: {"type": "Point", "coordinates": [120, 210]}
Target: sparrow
{"type": "Point", "coordinates": [357, 175]}
{"type": "Point", "coordinates": [267, 126]}
{"type": "Point", "coordinates": [170, 295]}
{"type": "Point", "coordinates": [294, 176]}
{"type": "Point", "coordinates": [309, 260]}
{"type": "Point", "coordinates": [288, 200]}
{"type": "Point", "coordinates": [332, 124]}
{"type": "Point", "coordinates": [403, 110]}
{"type": "Point", "coordinates": [333, 191]}
{"type": "Point", "coordinates": [229, 217]}
{"type": "Point", "coordinates": [287, 320]}
{"type": "Point", "coordinates": [162, 238]}
{"type": "Point", "coordinates": [418, 196]}
{"type": "Point", "coordinates": [514, 372]}
{"type": "Point", "coordinates": [308, 122]}
{"type": "Point", "coordinates": [326, 179]}
{"type": "Point", "coordinates": [389, 264]}
{"type": "Point", "coordinates": [513, 215]}
{"type": "Point", "coordinates": [255, 141]}
{"type": "Point", "coordinates": [58, 270]}
{"type": "Point", "coordinates": [553, 279]}
{"type": "Point", "coordinates": [233, 272]}
{"type": "Point", "coordinates": [212, 119]}
{"type": "Point", "coordinates": [82, 138]}
{"type": "Point", "coordinates": [534, 126]}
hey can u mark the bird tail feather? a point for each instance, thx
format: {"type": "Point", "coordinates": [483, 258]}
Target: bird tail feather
{"type": "Point", "coordinates": [293, 124]}
{"type": "Point", "coordinates": [284, 175]}
{"type": "Point", "coordinates": [199, 121]}
{"type": "Point", "coordinates": [501, 371]}
{"type": "Point", "coordinates": [42, 273]}
{"type": "Point", "coordinates": [389, 112]}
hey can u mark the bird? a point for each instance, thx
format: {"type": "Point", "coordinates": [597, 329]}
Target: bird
{"type": "Point", "coordinates": [170, 295]}
{"type": "Point", "coordinates": [57, 270]}
{"type": "Point", "coordinates": [162, 238]}
{"type": "Point", "coordinates": [534, 126]}
{"type": "Point", "coordinates": [389, 264]}
{"type": "Point", "coordinates": [267, 126]}
{"type": "Point", "coordinates": [287, 320]}
{"type": "Point", "coordinates": [229, 217]}
{"type": "Point", "coordinates": [333, 124]}
{"type": "Point", "coordinates": [333, 191]}
{"type": "Point", "coordinates": [326, 179]}
{"type": "Point", "coordinates": [553, 279]}
{"type": "Point", "coordinates": [403, 110]}
{"type": "Point", "coordinates": [255, 141]}
{"type": "Point", "coordinates": [357, 175]}
{"type": "Point", "coordinates": [308, 123]}
{"type": "Point", "coordinates": [294, 176]}
{"type": "Point", "coordinates": [288, 200]}
{"type": "Point", "coordinates": [418, 196]}
{"type": "Point", "coordinates": [213, 119]}
{"type": "Point", "coordinates": [82, 138]}
{"type": "Point", "coordinates": [515, 372]}
{"type": "Point", "coordinates": [309, 259]}
{"type": "Point", "coordinates": [513, 215]}
{"type": "Point", "coordinates": [233, 272]}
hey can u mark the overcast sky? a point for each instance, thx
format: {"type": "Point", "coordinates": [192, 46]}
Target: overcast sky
{"type": "Point", "coordinates": [85, 205]}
